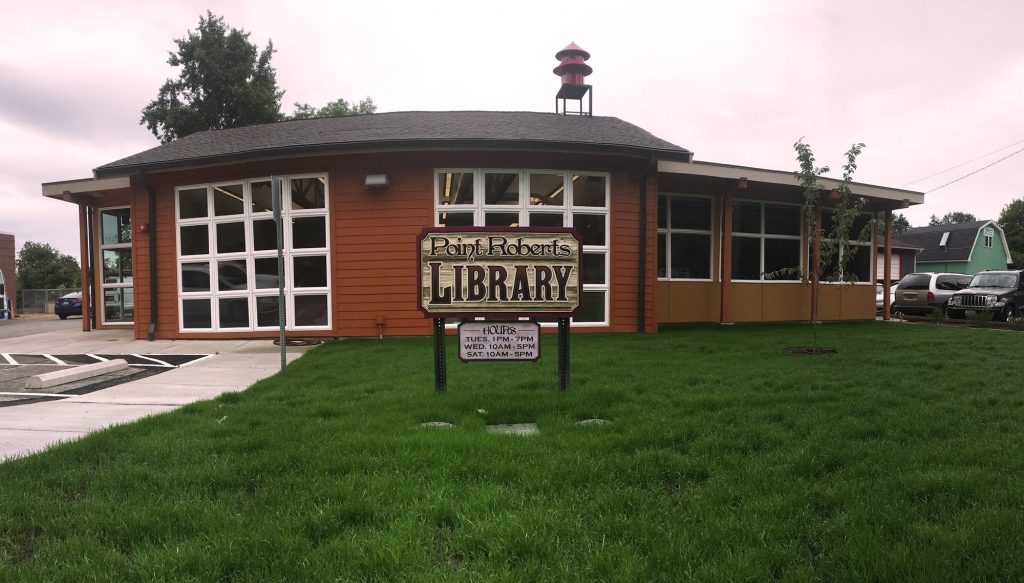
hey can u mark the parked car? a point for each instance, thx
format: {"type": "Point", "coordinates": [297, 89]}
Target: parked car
{"type": "Point", "coordinates": [880, 295]}
{"type": "Point", "coordinates": [921, 294]}
{"type": "Point", "coordinates": [996, 292]}
{"type": "Point", "coordinates": [69, 305]}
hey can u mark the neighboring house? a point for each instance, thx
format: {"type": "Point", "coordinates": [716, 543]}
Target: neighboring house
{"type": "Point", "coordinates": [960, 248]}
{"type": "Point", "coordinates": [184, 238]}
{"type": "Point", "coordinates": [904, 260]}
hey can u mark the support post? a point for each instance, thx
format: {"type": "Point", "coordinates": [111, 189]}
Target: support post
{"type": "Point", "coordinates": [275, 191]}
{"type": "Point", "coordinates": [440, 364]}
{"type": "Point", "coordinates": [83, 244]}
{"type": "Point", "coordinates": [887, 276]}
{"type": "Point", "coordinates": [90, 216]}
{"type": "Point", "coordinates": [816, 265]}
{"type": "Point", "coordinates": [563, 353]}
{"type": "Point", "coordinates": [726, 275]}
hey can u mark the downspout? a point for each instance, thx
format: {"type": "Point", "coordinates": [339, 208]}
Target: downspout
{"type": "Point", "coordinates": [151, 231]}
{"type": "Point", "coordinates": [641, 304]}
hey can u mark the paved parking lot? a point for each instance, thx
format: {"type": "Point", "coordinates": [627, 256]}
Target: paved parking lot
{"type": "Point", "coordinates": [33, 324]}
{"type": "Point", "coordinates": [17, 368]}
{"type": "Point", "coordinates": [232, 365]}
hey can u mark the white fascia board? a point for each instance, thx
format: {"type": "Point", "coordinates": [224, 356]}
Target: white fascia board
{"type": "Point", "coordinates": [783, 177]}
{"type": "Point", "coordinates": [84, 185]}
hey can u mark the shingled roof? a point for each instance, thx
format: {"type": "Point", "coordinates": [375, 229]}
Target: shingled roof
{"type": "Point", "coordinates": [403, 131]}
{"type": "Point", "coordinates": [958, 246]}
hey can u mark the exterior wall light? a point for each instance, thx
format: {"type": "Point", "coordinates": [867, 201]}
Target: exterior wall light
{"type": "Point", "coordinates": [376, 181]}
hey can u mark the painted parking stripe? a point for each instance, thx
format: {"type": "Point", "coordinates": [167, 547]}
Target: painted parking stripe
{"type": "Point", "coordinates": [134, 359]}
{"type": "Point", "coordinates": [159, 362]}
{"type": "Point", "coordinates": [203, 357]}
{"type": "Point", "coordinates": [34, 395]}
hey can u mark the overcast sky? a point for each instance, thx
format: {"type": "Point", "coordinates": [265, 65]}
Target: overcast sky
{"type": "Point", "coordinates": [926, 84]}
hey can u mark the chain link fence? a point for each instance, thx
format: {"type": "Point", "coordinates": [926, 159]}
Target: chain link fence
{"type": "Point", "coordinates": [39, 301]}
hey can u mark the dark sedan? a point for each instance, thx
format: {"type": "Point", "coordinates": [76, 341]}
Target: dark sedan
{"type": "Point", "coordinates": [69, 305]}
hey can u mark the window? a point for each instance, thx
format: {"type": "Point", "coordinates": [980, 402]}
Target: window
{"type": "Point", "coordinates": [859, 265]}
{"type": "Point", "coordinates": [227, 255]}
{"type": "Point", "coordinates": [116, 261]}
{"type": "Point", "coordinates": [684, 237]}
{"type": "Point", "coordinates": [765, 240]}
{"type": "Point", "coordinates": [537, 198]}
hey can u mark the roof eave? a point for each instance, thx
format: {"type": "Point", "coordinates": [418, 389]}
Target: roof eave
{"type": "Point", "coordinates": [63, 189]}
{"type": "Point", "coordinates": [781, 177]}
{"type": "Point", "coordinates": [394, 146]}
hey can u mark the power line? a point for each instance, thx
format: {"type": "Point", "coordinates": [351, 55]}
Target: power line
{"type": "Point", "coordinates": [976, 171]}
{"type": "Point", "coordinates": [963, 164]}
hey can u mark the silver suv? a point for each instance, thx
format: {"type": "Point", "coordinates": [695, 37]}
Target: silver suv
{"type": "Point", "coordinates": [920, 294]}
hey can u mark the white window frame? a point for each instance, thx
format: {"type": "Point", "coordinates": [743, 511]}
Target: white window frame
{"type": "Point", "coordinates": [567, 210]}
{"type": "Point", "coordinates": [249, 255]}
{"type": "Point", "coordinates": [111, 247]}
{"type": "Point", "coordinates": [762, 236]}
{"type": "Point", "coordinates": [667, 230]}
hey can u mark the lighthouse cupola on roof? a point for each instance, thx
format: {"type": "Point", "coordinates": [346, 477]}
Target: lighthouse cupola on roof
{"type": "Point", "coordinates": [573, 70]}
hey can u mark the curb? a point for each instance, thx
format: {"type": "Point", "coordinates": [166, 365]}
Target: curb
{"type": "Point", "coordinates": [59, 377]}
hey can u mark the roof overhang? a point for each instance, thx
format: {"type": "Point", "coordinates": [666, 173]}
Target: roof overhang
{"type": "Point", "coordinates": [391, 146]}
{"type": "Point", "coordinates": [96, 187]}
{"type": "Point", "coordinates": [781, 177]}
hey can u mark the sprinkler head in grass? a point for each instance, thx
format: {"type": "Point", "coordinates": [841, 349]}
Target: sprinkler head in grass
{"type": "Point", "coordinates": [437, 425]}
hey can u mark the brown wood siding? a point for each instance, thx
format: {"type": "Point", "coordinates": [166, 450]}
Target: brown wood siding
{"type": "Point", "coordinates": [689, 301]}
{"type": "Point", "coordinates": [373, 235]}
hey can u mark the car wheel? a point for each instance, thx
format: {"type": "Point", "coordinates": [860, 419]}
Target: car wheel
{"type": "Point", "coordinates": [955, 314]}
{"type": "Point", "coordinates": [62, 316]}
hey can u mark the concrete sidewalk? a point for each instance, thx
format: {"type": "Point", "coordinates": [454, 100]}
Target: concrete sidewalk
{"type": "Point", "coordinates": [234, 366]}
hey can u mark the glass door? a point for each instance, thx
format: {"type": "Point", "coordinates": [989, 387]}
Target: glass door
{"type": "Point", "coordinates": [116, 257]}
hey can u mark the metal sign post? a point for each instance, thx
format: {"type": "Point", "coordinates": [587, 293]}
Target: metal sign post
{"type": "Point", "coordinates": [563, 353]}
{"type": "Point", "coordinates": [275, 190]}
{"type": "Point", "coordinates": [440, 364]}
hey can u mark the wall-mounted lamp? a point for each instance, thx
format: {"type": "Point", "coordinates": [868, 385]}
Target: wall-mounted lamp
{"type": "Point", "coordinates": [376, 181]}
{"type": "Point", "coordinates": [905, 204]}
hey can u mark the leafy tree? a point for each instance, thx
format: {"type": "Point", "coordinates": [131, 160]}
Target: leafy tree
{"type": "Point", "coordinates": [225, 82]}
{"type": "Point", "coordinates": [336, 108]}
{"type": "Point", "coordinates": [40, 266]}
{"type": "Point", "coordinates": [952, 218]}
{"type": "Point", "coordinates": [835, 254]}
{"type": "Point", "coordinates": [900, 225]}
{"type": "Point", "coordinates": [1012, 222]}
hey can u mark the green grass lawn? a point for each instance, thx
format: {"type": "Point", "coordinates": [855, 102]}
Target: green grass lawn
{"type": "Point", "coordinates": [899, 458]}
